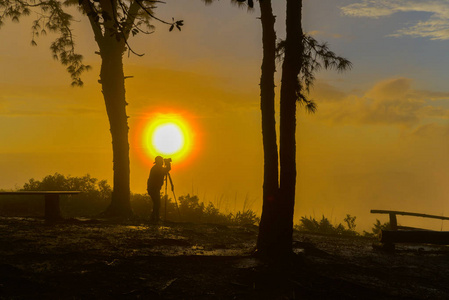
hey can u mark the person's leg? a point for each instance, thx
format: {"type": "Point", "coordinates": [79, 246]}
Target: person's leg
{"type": "Point", "coordinates": [157, 206]}
{"type": "Point", "coordinates": [156, 198]}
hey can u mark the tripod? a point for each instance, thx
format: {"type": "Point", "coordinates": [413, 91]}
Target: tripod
{"type": "Point", "coordinates": [166, 196]}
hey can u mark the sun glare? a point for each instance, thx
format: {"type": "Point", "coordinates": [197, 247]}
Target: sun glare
{"type": "Point", "coordinates": [168, 139]}
{"type": "Point", "coordinates": [167, 135]}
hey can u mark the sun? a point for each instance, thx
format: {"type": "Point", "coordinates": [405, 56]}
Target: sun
{"type": "Point", "coordinates": [168, 138]}
{"type": "Point", "coordinates": [167, 135]}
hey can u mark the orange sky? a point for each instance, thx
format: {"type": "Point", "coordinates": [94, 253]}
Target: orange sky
{"type": "Point", "coordinates": [379, 139]}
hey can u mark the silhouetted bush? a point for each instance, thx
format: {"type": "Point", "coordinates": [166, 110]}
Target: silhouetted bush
{"type": "Point", "coordinates": [141, 204]}
{"type": "Point", "coordinates": [377, 228]}
{"type": "Point", "coordinates": [246, 217]}
{"type": "Point", "coordinates": [213, 215]}
{"type": "Point", "coordinates": [96, 196]}
{"type": "Point", "coordinates": [324, 226]}
{"type": "Point", "coordinates": [192, 210]}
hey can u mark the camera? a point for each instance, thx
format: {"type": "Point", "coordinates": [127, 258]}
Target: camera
{"type": "Point", "coordinates": [167, 160]}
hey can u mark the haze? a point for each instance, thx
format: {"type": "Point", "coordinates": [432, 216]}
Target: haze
{"type": "Point", "coordinates": [379, 139]}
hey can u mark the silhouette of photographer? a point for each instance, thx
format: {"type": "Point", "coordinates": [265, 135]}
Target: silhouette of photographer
{"type": "Point", "coordinates": [155, 182]}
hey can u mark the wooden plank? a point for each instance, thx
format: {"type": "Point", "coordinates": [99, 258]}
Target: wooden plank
{"type": "Point", "coordinates": [404, 213]}
{"type": "Point", "coordinates": [393, 221]}
{"type": "Point", "coordinates": [412, 236]}
{"type": "Point", "coordinates": [412, 228]}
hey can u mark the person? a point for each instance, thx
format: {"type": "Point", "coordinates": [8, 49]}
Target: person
{"type": "Point", "coordinates": [155, 183]}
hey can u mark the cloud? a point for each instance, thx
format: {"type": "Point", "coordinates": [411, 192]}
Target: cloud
{"type": "Point", "coordinates": [319, 33]}
{"type": "Point", "coordinates": [436, 27]}
{"type": "Point", "coordinates": [389, 102]}
{"type": "Point", "coordinates": [324, 92]}
{"type": "Point", "coordinates": [370, 9]}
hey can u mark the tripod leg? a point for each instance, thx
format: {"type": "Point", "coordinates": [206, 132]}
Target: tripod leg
{"type": "Point", "coordinates": [174, 196]}
{"type": "Point", "coordinates": [166, 197]}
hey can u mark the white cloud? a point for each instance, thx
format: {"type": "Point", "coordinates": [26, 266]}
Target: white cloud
{"type": "Point", "coordinates": [436, 27]}
{"type": "Point", "coordinates": [369, 8]}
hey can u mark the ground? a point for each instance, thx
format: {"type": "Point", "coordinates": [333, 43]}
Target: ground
{"type": "Point", "coordinates": [98, 259]}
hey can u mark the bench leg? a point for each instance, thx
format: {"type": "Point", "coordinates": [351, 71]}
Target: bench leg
{"type": "Point", "coordinates": [389, 246]}
{"type": "Point", "coordinates": [393, 222]}
{"type": "Point", "coordinates": [52, 210]}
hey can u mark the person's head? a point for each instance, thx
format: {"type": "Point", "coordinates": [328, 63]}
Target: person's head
{"type": "Point", "coordinates": [158, 160]}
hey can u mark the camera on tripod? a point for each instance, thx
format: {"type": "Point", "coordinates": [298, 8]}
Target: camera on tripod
{"type": "Point", "coordinates": [167, 161]}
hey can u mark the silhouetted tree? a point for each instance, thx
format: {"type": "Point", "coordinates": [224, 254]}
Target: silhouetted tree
{"type": "Point", "coordinates": [112, 22]}
{"type": "Point", "coordinates": [267, 232]}
{"type": "Point", "coordinates": [290, 90]}
{"type": "Point", "coordinates": [302, 56]}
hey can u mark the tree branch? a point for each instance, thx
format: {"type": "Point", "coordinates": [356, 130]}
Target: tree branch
{"type": "Point", "coordinates": [90, 11]}
{"type": "Point", "coordinates": [131, 17]}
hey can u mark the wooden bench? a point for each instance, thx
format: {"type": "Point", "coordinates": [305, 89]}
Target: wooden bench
{"type": "Point", "coordinates": [52, 209]}
{"type": "Point", "coordinates": [405, 234]}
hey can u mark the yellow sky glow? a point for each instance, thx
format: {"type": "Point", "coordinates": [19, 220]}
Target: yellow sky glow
{"type": "Point", "coordinates": [379, 139]}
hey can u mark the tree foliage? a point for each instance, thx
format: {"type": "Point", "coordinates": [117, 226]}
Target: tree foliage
{"type": "Point", "coordinates": [51, 17]}
{"type": "Point", "coordinates": [94, 197]}
{"type": "Point", "coordinates": [316, 56]}
{"type": "Point", "coordinates": [59, 182]}
{"type": "Point", "coordinates": [119, 18]}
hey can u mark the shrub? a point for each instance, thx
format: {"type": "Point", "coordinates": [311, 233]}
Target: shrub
{"type": "Point", "coordinates": [191, 209]}
{"type": "Point", "coordinates": [246, 217]}
{"type": "Point", "coordinates": [377, 228]}
{"type": "Point", "coordinates": [324, 226]}
{"type": "Point", "coordinates": [141, 204]}
{"type": "Point", "coordinates": [95, 196]}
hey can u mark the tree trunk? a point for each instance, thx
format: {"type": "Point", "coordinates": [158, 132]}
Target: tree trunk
{"type": "Point", "coordinates": [112, 46]}
{"type": "Point", "coordinates": [289, 94]}
{"type": "Point", "coordinates": [267, 229]}
{"type": "Point", "coordinates": [113, 88]}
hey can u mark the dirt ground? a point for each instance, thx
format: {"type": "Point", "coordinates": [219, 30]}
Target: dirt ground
{"type": "Point", "coordinates": [94, 259]}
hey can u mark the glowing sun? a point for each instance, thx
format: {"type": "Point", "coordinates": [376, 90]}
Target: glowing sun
{"type": "Point", "coordinates": [168, 138]}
